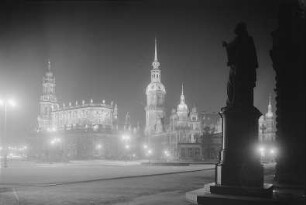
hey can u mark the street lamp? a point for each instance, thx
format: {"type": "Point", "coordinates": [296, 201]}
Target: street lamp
{"type": "Point", "coordinates": [99, 146]}
{"type": "Point", "coordinates": [149, 153]}
{"type": "Point", "coordinates": [261, 150]}
{"type": "Point", "coordinates": [125, 138]}
{"type": "Point", "coordinates": [5, 103]}
{"type": "Point", "coordinates": [55, 141]}
{"type": "Point", "coordinates": [167, 154]}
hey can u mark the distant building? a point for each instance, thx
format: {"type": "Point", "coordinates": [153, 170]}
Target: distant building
{"type": "Point", "coordinates": [84, 115]}
{"type": "Point", "coordinates": [179, 137]}
{"type": "Point", "coordinates": [267, 126]}
{"type": "Point", "coordinates": [184, 131]}
{"type": "Point", "coordinates": [155, 109]}
{"type": "Point", "coordinates": [80, 131]}
{"type": "Point", "coordinates": [267, 134]}
{"type": "Point", "coordinates": [211, 121]}
{"type": "Point", "coordinates": [211, 135]}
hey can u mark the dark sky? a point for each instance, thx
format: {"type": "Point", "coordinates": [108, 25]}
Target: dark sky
{"type": "Point", "coordinates": [104, 50]}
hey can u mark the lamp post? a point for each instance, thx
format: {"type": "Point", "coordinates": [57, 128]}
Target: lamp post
{"type": "Point", "coordinates": [56, 146]}
{"type": "Point", "coordinates": [5, 103]}
{"type": "Point", "coordinates": [126, 139]}
{"type": "Point", "coordinates": [149, 154]}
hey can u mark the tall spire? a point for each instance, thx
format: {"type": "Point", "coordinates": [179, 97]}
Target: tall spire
{"type": "Point", "coordinates": [269, 113]}
{"type": "Point", "coordinates": [49, 65]}
{"type": "Point", "coordinates": [155, 63]}
{"type": "Point", "coordinates": [155, 56]}
{"type": "Point", "coordinates": [270, 106]}
{"type": "Point", "coordinates": [182, 107]}
{"type": "Point", "coordinates": [182, 95]}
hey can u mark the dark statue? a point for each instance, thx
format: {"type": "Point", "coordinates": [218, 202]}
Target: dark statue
{"type": "Point", "coordinates": [242, 60]}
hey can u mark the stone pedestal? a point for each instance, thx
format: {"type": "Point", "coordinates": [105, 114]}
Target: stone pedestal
{"type": "Point", "coordinates": [239, 164]}
{"type": "Point", "coordinates": [239, 171]}
{"type": "Point", "coordinates": [239, 174]}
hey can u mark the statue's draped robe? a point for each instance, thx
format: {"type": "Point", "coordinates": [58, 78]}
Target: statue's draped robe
{"type": "Point", "coordinates": [242, 60]}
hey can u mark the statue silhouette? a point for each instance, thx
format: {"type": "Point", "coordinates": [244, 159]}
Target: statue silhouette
{"type": "Point", "coordinates": [242, 60]}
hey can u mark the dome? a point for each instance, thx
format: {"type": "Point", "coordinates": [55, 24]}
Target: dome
{"type": "Point", "coordinates": [269, 114]}
{"type": "Point", "coordinates": [155, 86]}
{"type": "Point", "coordinates": [182, 107]}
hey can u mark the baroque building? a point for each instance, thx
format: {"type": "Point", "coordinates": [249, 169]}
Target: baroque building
{"type": "Point", "coordinates": [184, 131]}
{"type": "Point", "coordinates": [267, 126]}
{"type": "Point", "coordinates": [176, 134]}
{"type": "Point", "coordinates": [81, 128]}
{"type": "Point", "coordinates": [84, 115]}
{"type": "Point", "coordinates": [267, 134]}
{"type": "Point", "coordinates": [212, 135]}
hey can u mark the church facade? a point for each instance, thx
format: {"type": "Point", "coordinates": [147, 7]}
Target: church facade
{"type": "Point", "coordinates": [178, 134]}
{"type": "Point", "coordinates": [80, 131]}
{"type": "Point", "coordinates": [84, 115]}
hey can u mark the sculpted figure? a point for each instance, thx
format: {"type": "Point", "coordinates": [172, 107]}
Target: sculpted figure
{"type": "Point", "coordinates": [242, 60]}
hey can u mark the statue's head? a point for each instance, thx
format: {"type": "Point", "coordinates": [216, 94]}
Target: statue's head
{"type": "Point", "coordinates": [241, 29]}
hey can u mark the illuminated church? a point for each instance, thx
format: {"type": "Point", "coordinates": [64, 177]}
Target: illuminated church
{"type": "Point", "coordinates": [83, 115]}
{"type": "Point", "coordinates": [81, 129]}
{"type": "Point", "coordinates": [267, 126]}
{"type": "Point", "coordinates": [177, 134]}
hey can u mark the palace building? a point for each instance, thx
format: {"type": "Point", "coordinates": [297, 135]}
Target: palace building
{"type": "Point", "coordinates": [177, 134]}
{"type": "Point", "coordinates": [267, 126]}
{"type": "Point", "coordinates": [267, 134]}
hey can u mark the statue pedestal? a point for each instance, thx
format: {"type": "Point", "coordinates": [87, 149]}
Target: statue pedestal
{"type": "Point", "coordinates": [239, 171]}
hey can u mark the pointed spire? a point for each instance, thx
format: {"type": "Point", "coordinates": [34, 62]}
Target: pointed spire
{"type": "Point", "coordinates": [270, 112]}
{"type": "Point", "coordinates": [49, 65]}
{"type": "Point", "coordinates": [155, 63]}
{"type": "Point", "coordinates": [182, 107]}
{"type": "Point", "coordinates": [270, 106]}
{"type": "Point", "coordinates": [182, 94]}
{"type": "Point", "coordinates": [155, 56]}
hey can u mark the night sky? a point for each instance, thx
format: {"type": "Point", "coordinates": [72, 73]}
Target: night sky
{"type": "Point", "coordinates": [104, 50]}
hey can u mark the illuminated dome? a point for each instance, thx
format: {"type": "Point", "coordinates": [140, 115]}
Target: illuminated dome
{"type": "Point", "coordinates": [269, 114]}
{"type": "Point", "coordinates": [182, 107]}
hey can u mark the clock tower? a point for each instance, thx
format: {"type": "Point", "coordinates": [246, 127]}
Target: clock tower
{"type": "Point", "coordinates": [155, 109]}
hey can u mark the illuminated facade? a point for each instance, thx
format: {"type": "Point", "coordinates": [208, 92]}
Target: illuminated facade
{"type": "Point", "coordinates": [155, 109]}
{"type": "Point", "coordinates": [267, 126]}
{"type": "Point", "coordinates": [81, 131]}
{"type": "Point", "coordinates": [184, 131]}
{"type": "Point", "coordinates": [179, 136]}
{"type": "Point", "coordinates": [267, 134]}
{"type": "Point", "coordinates": [84, 115]}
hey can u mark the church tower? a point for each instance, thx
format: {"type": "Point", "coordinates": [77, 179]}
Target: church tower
{"type": "Point", "coordinates": [266, 125]}
{"type": "Point", "coordinates": [155, 92]}
{"type": "Point", "coordinates": [182, 108]}
{"type": "Point", "coordinates": [48, 101]}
